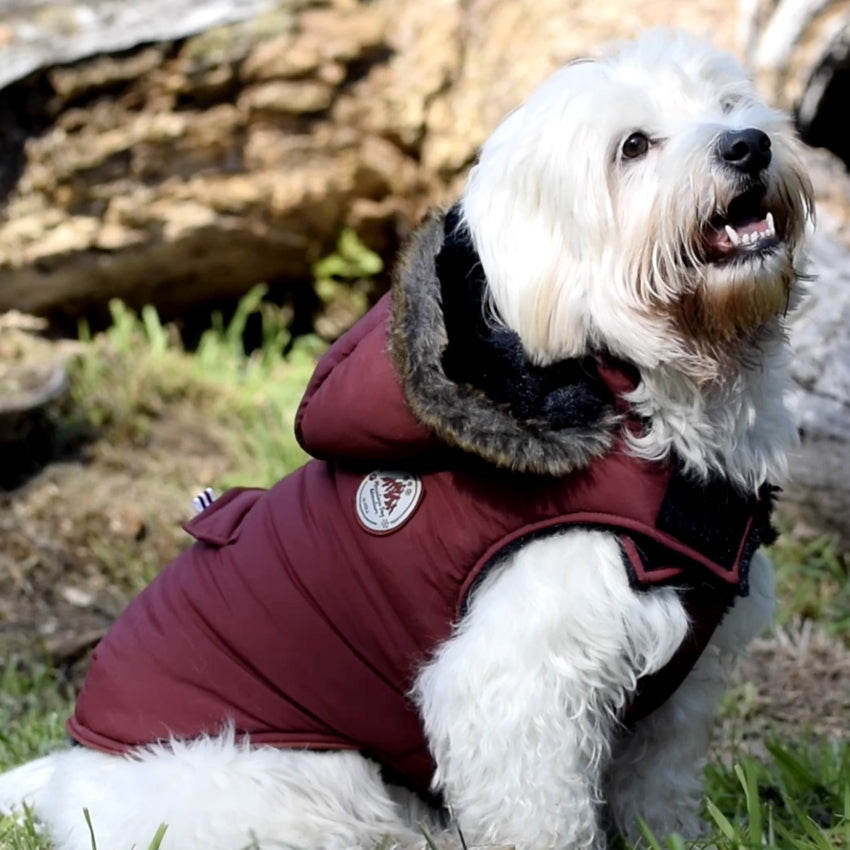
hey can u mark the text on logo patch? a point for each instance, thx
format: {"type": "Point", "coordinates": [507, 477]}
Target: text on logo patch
{"type": "Point", "coordinates": [386, 499]}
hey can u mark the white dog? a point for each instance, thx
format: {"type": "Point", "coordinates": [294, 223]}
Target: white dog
{"type": "Point", "coordinates": [599, 320]}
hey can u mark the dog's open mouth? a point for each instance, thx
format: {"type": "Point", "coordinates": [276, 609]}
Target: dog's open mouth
{"type": "Point", "coordinates": [746, 229]}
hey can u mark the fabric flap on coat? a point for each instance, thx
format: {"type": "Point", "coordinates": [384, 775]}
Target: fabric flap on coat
{"type": "Point", "coordinates": [219, 524]}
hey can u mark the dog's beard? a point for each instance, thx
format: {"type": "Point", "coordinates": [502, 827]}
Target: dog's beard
{"type": "Point", "coordinates": [731, 304]}
{"type": "Point", "coordinates": [723, 308]}
{"type": "Point", "coordinates": [724, 263]}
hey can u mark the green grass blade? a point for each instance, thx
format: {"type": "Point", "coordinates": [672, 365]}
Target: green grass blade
{"type": "Point", "coordinates": [87, 817]}
{"type": "Point", "coordinates": [676, 842]}
{"type": "Point", "coordinates": [648, 836]}
{"type": "Point", "coordinates": [156, 841]}
{"type": "Point", "coordinates": [746, 774]}
{"type": "Point", "coordinates": [792, 768]}
{"type": "Point", "coordinates": [817, 836]}
{"type": "Point", "coordinates": [248, 305]}
{"type": "Point", "coordinates": [155, 332]}
{"type": "Point", "coordinates": [723, 823]}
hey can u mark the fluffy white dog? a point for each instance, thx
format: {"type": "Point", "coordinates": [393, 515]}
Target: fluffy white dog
{"type": "Point", "coordinates": [602, 310]}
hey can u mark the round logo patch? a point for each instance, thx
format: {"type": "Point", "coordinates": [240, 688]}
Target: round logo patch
{"type": "Point", "coordinates": [386, 499]}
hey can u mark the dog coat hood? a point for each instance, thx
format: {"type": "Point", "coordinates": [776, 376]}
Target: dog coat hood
{"type": "Point", "coordinates": [302, 613]}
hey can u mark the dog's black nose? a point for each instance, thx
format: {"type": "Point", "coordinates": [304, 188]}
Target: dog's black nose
{"type": "Point", "coordinates": [747, 150]}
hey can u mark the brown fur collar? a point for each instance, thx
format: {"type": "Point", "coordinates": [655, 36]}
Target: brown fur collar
{"type": "Point", "coordinates": [469, 380]}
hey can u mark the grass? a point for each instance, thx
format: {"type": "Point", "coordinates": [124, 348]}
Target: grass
{"type": "Point", "coordinates": [797, 800]}
{"type": "Point", "coordinates": [34, 702]}
{"type": "Point", "coordinates": [122, 384]}
{"type": "Point", "coordinates": [813, 581]}
{"type": "Point", "coordinates": [125, 378]}
{"type": "Point", "coordinates": [155, 842]}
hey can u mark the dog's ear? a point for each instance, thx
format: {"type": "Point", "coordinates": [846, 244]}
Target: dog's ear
{"type": "Point", "coordinates": [532, 287]}
{"type": "Point", "coordinates": [536, 205]}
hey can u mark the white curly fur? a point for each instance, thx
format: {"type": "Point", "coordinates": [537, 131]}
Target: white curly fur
{"type": "Point", "coordinates": [527, 691]}
{"type": "Point", "coordinates": [582, 250]}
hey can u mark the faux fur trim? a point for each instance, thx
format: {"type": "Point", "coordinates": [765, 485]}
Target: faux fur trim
{"type": "Point", "coordinates": [468, 379]}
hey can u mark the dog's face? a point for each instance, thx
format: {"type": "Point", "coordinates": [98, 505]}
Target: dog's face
{"type": "Point", "coordinates": [648, 203]}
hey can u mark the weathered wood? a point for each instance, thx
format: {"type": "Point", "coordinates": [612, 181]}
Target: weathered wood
{"type": "Point", "coordinates": [184, 172]}
{"type": "Point", "coordinates": [32, 374]}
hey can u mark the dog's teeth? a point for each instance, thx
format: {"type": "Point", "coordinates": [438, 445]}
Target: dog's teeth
{"type": "Point", "coordinates": [733, 235]}
{"type": "Point", "coordinates": [771, 227]}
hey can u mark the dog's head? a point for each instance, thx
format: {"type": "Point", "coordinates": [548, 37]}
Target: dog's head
{"type": "Point", "coordinates": [647, 203]}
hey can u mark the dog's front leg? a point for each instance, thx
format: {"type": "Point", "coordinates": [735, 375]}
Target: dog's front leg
{"type": "Point", "coordinates": [518, 704]}
{"type": "Point", "coordinates": [656, 773]}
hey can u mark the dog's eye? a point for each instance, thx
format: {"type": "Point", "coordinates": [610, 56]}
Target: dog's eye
{"type": "Point", "coordinates": [636, 145]}
{"type": "Point", "coordinates": [728, 105]}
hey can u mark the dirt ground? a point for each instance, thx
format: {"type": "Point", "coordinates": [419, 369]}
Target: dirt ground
{"type": "Point", "coordinates": [794, 684]}
{"type": "Point", "coordinates": [84, 534]}
{"type": "Point", "coordinates": [92, 526]}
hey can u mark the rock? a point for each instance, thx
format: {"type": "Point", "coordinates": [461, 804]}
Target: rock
{"type": "Point", "coordinates": [185, 170]}
{"type": "Point", "coordinates": [32, 379]}
{"type": "Point", "coordinates": [183, 173]}
{"type": "Point", "coordinates": [819, 491]}
{"type": "Point", "coordinates": [820, 109]}
{"type": "Point", "coordinates": [32, 375]}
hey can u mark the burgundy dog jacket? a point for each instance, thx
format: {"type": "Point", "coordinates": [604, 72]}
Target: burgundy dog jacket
{"type": "Point", "coordinates": [302, 613]}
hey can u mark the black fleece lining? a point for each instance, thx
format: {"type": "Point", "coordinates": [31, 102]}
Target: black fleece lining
{"type": "Point", "coordinates": [655, 558]}
{"type": "Point", "coordinates": [712, 518]}
{"type": "Point", "coordinates": [490, 357]}
{"type": "Point", "coordinates": [709, 516]}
